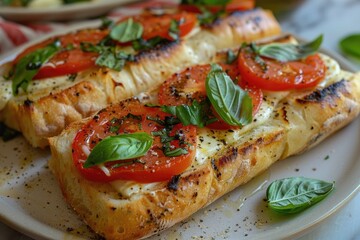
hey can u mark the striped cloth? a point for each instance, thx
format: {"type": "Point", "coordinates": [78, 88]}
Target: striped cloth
{"type": "Point", "coordinates": [14, 34]}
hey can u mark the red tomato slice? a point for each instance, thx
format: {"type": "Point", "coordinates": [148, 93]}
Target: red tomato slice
{"type": "Point", "coordinates": [234, 5]}
{"type": "Point", "coordinates": [189, 85]}
{"type": "Point", "coordinates": [281, 76]}
{"type": "Point", "coordinates": [68, 61]}
{"type": "Point", "coordinates": [159, 25]}
{"type": "Point", "coordinates": [156, 167]}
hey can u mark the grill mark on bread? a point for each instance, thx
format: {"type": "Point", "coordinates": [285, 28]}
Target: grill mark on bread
{"type": "Point", "coordinates": [321, 95]}
{"type": "Point", "coordinates": [162, 49]}
{"type": "Point", "coordinates": [174, 183]}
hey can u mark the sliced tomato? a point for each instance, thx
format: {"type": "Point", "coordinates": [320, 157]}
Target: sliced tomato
{"type": "Point", "coordinates": [68, 61]}
{"type": "Point", "coordinates": [189, 85]}
{"type": "Point", "coordinates": [130, 117]}
{"type": "Point", "coordinates": [274, 75]}
{"type": "Point", "coordinates": [234, 5]}
{"type": "Point", "coordinates": [159, 25]}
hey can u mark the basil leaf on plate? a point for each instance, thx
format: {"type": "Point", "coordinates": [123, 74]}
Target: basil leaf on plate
{"type": "Point", "coordinates": [195, 114]}
{"type": "Point", "coordinates": [287, 51]}
{"type": "Point", "coordinates": [351, 45]}
{"type": "Point", "coordinates": [233, 104]}
{"type": "Point", "coordinates": [127, 31]}
{"type": "Point", "coordinates": [120, 147]}
{"type": "Point", "coordinates": [292, 195]}
{"type": "Point", "coordinates": [29, 65]}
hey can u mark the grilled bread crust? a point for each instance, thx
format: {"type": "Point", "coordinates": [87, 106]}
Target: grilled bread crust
{"type": "Point", "coordinates": [312, 114]}
{"type": "Point", "coordinates": [46, 112]}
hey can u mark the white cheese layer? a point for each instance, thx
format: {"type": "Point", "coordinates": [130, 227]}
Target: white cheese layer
{"type": "Point", "coordinates": [209, 142]}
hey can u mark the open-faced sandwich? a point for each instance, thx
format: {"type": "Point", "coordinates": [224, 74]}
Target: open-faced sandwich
{"type": "Point", "coordinates": [141, 165]}
{"type": "Point", "coordinates": [68, 77]}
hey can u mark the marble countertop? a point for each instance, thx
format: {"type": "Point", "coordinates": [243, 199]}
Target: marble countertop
{"type": "Point", "coordinates": [334, 19]}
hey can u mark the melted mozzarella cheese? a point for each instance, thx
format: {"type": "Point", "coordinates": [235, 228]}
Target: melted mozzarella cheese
{"type": "Point", "coordinates": [128, 188]}
{"type": "Point", "coordinates": [332, 70]}
{"type": "Point", "coordinates": [209, 142]}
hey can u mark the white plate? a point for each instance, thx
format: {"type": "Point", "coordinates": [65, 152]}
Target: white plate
{"type": "Point", "coordinates": [31, 201]}
{"type": "Point", "coordinates": [62, 13]}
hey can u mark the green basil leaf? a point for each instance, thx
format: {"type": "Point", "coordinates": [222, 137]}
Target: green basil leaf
{"type": "Point", "coordinates": [108, 59]}
{"type": "Point", "coordinates": [106, 23]}
{"type": "Point", "coordinates": [176, 152]}
{"type": "Point", "coordinates": [233, 104]}
{"type": "Point", "coordinates": [174, 29]}
{"type": "Point", "coordinates": [196, 114]}
{"type": "Point", "coordinates": [230, 57]}
{"type": "Point", "coordinates": [127, 31]}
{"type": "Point", "coordinates": [120, 147]}
{"type": "Point", "coordinates": [109, 56]}
{"type": "Point", "coordinates": [351, 45]}
{"type": "Point", "coordinates": [292, 195]}
{"type": "Point", "coordinates": [28, 66]}
{"type": "Point", "coordinates": [287, 51]}
{"type": "Point", "coordinates": [142, 44]}
{"type": "Point", "coordinates": [207, 16]}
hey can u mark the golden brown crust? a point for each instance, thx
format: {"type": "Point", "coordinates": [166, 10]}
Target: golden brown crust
{"type": "Point", "coordinates": [51, 110]}
{"type": "Point", "coordinates": [313, 114]}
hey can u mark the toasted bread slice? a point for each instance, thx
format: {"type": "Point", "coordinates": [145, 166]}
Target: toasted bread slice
{"type": "Point", "coordinates": [224, 159]}
{"type": "Point", "coordinates": [52, 104]}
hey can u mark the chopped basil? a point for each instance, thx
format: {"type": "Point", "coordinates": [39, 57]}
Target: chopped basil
{"type": "Point", "coordinates": [208, 17]}
{"type": "Point", "coordinates": [174, 29]}
{"type": "Point", "coordinates": [142, 44]}
{"type": "Point", "coordinates": [28, 66]}
{"type": "Point", "coordinates": [230, 57]}
{"type": "Point", "coordinates": [196, 114]}
{"type": "Point", "coordinates": [72, 77]}
{"type": "Point", "coordinates": [287, 51]}
{"type": "Point", "coordinates": [165, 138]}
{"type": "Point", "coordinates": [109, 56]}
{"type": "Point", "coordinates": [292, 195]}
{"type": "Point", "coordinates": [120, 147]}
{"type": "Point", "coordinates": [350, 45]}
{"type": "Point", "coordinates": [126, 31]}
{"type": "Point", "coordinates": [233, 104]}
{"type": "Point", "coordinates": [176, 152]}
{"type": "Point", "coordinates": [7, 133]}
{"type": "Point", "coordinates": [106, 23]}
{"type": "Point", "coordinates": [114, 129]}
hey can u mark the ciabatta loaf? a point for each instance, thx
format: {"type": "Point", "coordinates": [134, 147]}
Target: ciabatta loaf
{"type": "Point", "coordinates": [51, 104]}
{"type": "Point", "coordinates": [288, 123]}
